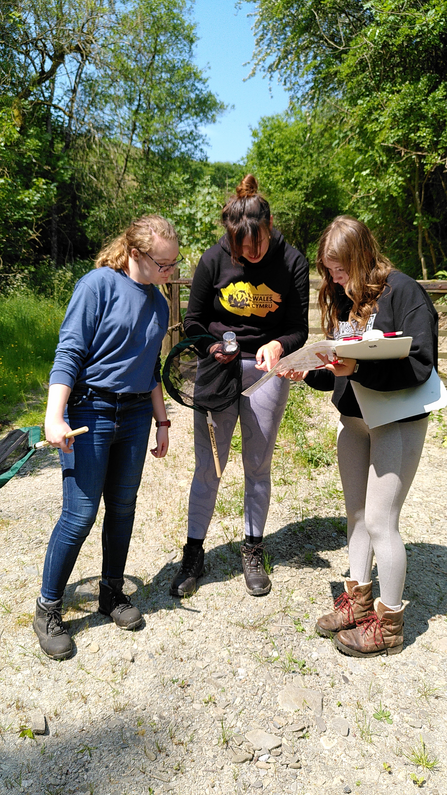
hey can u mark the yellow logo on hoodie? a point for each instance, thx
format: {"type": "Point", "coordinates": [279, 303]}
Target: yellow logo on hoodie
{"type": "Point", "coordinates": [244, 299]}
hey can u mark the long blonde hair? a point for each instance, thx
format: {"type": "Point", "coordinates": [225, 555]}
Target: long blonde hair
{"type": "Point", "coordinates": [139, 235]}
{"type": "Point", "coordinates": [350, 243]}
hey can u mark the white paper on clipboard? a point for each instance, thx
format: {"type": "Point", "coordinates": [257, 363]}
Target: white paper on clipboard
{"type": "Point", "coordinates": [374, 349]}
{"type": "Point", "coordinates": [380, 408]}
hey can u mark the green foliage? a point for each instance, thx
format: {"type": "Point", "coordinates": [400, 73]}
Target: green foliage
{"type": "Point", "coordinates": [197, 217]}
{"type": "Point", "coordinates": [383, 714]}
{"type": "Point", "coordinates": [100, 114]}
{"type": "Point", "coordinates": [29, 328]}
{"type": "Point", "coordinates": [377, 73]}
{"type": "Point", "coordinates": [292, 156]}
{"type": "Point", "coordinates": [24, 731]}
{"type": "Point", "coordinates": [419, 756]}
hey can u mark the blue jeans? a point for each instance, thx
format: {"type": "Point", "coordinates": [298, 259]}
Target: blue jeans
{"type": "Point", "coordinates": [107, 461]}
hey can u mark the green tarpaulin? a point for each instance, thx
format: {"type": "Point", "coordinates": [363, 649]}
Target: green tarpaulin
{"type": "Point", "coordinates": [26, 450]}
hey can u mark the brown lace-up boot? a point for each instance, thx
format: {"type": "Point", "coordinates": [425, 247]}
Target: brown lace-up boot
{"type": "Point", "coordinates": [379, 633]}
{"type": "Point", "coordinates": [353, 605]}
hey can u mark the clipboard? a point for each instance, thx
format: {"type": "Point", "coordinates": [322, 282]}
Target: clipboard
{"type": "Point", "coordinates": [373, 345]}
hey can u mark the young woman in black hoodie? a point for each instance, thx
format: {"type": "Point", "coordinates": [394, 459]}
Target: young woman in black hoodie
{"type": "Point", "coordinates": [255, 284]}
{"type": "Point", "coordinates": [361, 291]}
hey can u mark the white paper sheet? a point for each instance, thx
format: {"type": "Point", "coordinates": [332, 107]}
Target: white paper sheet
{"type": "Point", "coordinates": [380, 408]}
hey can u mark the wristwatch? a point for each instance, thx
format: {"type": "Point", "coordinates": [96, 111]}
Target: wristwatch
{"type": "Point", "coordinates": [166, 423]}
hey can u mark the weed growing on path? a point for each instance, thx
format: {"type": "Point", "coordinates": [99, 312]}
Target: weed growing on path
{"type": "Point", "coordinates": [419, 756]}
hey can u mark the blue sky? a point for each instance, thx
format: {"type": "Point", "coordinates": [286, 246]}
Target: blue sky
{"type": "Point", "coordinates": [225, 43]}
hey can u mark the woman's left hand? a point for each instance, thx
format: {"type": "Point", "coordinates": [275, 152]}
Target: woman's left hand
{"type": "Point", "coordinates": [268, 355]}
{"type": "Point", "coordinates": [338, 367]}
{"type": "Point", "coordinates": [162, 442]}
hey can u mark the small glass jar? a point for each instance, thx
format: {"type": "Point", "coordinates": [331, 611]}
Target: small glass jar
{"type": "Point", "coordinates": [230, 343]}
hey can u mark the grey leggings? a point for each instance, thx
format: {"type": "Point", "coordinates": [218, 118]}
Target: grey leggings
{"type": "Point", "coordinates": [260, 417]}
{"type": "Point", "coordinates": [377, 468]}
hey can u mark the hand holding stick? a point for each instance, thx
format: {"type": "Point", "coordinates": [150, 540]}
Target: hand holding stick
{"type": "Point", "coordinates": [68, 435]}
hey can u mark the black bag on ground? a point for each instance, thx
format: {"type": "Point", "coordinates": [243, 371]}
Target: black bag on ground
{"type": "Point", "coordinates": [13, 447]}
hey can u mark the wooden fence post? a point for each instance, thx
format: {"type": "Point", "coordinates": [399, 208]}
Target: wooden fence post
{"type": "Point", "coordinates": [171, 292]}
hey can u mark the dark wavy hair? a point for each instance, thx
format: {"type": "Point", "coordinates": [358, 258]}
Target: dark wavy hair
{"type": "Point", "coordinates": [350, 243]}
{"type": "Point", "coordinates": [247, 214]}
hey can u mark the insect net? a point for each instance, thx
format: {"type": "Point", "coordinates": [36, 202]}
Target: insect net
{"type": "Point", "coordinates": [194, 378]}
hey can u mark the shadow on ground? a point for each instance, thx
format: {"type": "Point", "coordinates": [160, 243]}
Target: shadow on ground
{"type": "Point", "coordinates": [298, 546]}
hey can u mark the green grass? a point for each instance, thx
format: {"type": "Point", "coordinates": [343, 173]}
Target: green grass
{"type": "Point", "coordinates": [29, 327]}
{"type": "Point", "coordinates": [307, 438]}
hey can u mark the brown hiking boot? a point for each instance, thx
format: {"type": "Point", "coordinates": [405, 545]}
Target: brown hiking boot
{"type": "Point", "coordinates": [257, 581]}
{"type": "Point", "coordinates": [379, 633]}
{"type": "Point", "coordinates": [352, 606]}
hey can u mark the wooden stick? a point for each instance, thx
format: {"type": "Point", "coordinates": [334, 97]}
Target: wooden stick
{"type": "Point", "coordinates": [68, 435]}
{"type": "Point", "coordinates": [209, 420]}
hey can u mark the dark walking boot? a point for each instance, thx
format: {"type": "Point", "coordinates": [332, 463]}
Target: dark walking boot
{"type": "Point", "coordinates": [191, 568]}
{"type": "Point", "coordinates": [114, 603]}
{"type": "Point", "coordinates": [54, 639]}
{"type": "Point", "coordinates": [257, 582]}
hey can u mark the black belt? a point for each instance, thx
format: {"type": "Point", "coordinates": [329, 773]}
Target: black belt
{"type": "Point", "coordinates": [103, 393]}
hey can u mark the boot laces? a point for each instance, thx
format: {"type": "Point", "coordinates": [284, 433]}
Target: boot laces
{"type": "Point", "coordinates": [120, 601]}
{"type": "Point", "coordinates": [372, 623]}
{"type": "Point", "coordinates": [344, 604]}
{"type": "Point", "coordinates": [54, 623]}
{"type": "Point", "coordinates": [253, 555]}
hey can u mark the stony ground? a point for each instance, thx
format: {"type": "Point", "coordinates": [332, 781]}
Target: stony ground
{"type": "Point", "coordinates": [222, 693]}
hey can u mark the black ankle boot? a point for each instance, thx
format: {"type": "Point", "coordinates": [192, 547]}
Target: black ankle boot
{"type": "Point", "coordinates": [54, 639]}
{"type": "Point", "coordinates": [257, 582]}
{"type": "Point", "coordinates": [185, 581]}
{"type": "Point", "coordinates": [114, 603]}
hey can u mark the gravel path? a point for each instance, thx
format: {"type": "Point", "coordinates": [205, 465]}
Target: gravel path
{"type": "Point", "coordinates": [222, 693]}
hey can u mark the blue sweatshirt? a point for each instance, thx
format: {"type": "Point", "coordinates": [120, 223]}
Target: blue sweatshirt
{"type": "Point", "coordinates": [111, 334]}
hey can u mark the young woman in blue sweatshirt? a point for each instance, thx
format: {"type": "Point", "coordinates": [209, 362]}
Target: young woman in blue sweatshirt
{"type": "Point", "coordinates": [106, 375]}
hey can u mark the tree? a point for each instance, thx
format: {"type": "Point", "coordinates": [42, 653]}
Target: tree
{"type": "Point", "coordinates": [110, 99]}
{"type": "Point", "coordinates": [381, 69]}
{"type": "Point", "coordinates": [293, 157]}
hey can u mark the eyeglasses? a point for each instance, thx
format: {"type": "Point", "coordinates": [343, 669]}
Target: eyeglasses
{"type": "Point", "coordinates": [165, 268]}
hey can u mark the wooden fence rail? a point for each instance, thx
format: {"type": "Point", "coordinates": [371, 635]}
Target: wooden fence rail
{"type": "Point", "coordinates": [435, 289]}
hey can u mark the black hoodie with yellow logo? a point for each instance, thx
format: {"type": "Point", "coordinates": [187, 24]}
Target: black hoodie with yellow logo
{"type": "Point", "coordinates": [260, 302]}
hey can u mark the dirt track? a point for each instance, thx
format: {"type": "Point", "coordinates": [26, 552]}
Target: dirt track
{"type": "Point", "coordinates": [172, 707]}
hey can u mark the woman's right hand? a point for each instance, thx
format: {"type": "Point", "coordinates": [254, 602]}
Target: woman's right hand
{"type": "Point", "coordinates": [294, 375]}
{"type": "Point", "coordinates": [55, 433]}
{"type": "Point", "coordinates": [218, 351]}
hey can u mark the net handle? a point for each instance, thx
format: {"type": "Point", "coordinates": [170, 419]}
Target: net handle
{"type": "Point", "coordinates": [210, 422]}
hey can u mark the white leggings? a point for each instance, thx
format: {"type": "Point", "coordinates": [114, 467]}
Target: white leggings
{"type": "Point", "coordinates": [260, 417]}
{"type": "Point", "coordinates": [377, 468]}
